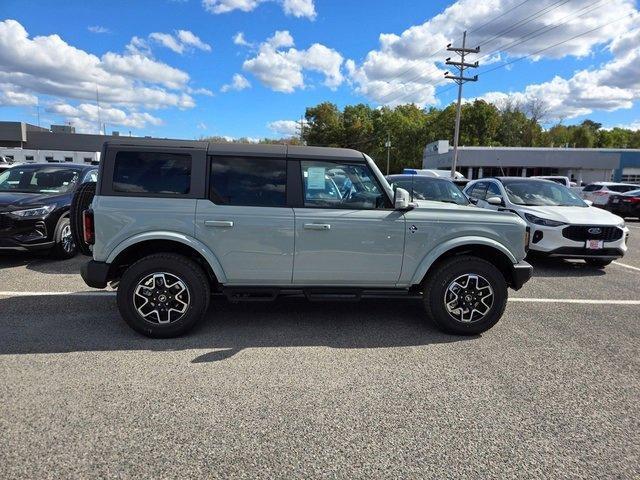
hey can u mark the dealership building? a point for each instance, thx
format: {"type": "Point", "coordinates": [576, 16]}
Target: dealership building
{"type": "Point", "coordinates": [23, 142]}
{"type": "Point", "coordinates": [579, 164]}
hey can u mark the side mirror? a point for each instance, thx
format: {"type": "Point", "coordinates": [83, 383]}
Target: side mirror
{"type": "Point", "coordinates": [473, 200]}
{"type": "Point", "coordinates": [495, 200]}
{"type": "Point", "coordinates": [401, 199]}
{"type": "Point", "coordinates": [588, 202]}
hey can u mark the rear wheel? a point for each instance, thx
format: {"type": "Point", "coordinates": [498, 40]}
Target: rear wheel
{"type": "Point", "coordinates": [465, 295]}
{"type": "Point", "coordinates": [163, 295]}
{"type": "Point", "coordinates": [597, 262]}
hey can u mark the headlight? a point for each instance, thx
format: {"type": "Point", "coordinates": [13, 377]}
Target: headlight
{"type": "Point", "coordinates": [543, 221]}
{"type": "Point", "coordinates": [34, 212]}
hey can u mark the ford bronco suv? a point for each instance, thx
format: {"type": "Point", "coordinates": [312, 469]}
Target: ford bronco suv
{"type": "Point", "coordinates": [172, 222]}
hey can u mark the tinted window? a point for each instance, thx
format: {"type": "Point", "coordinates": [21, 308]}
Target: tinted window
{"type": "Point", "coordinates": [478, 190]}
{"type": "Point", "coordinates": [622, 188]}
{"type": "Point", "coordinates": [493, 190]}
{"type": "Point", "coordinates": [339, 185]}
{"type": "Point", "coordinates": [591, 188]}
{"type": "Point", "coordinates": [152, 172]}
{"type": "Point", "coordinates": [425, 188]}
{"type": "Point", "coordinates": [259, 182]}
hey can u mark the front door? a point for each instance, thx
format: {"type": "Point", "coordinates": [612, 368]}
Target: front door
{"type": "Point", "coordinates": [346, 231]}
{"type": "Point", "coordinates": [245, 221]}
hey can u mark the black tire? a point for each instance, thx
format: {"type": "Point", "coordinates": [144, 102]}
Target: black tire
{"type": "Point", "coordinates": [444, 275]}
{"type": "Point", "coordinates": [178, 266]}
{"type": "Point", "coordinates": [65, 247]}
{"type": "Point", "coordinates": [81, 201]}
{"type": "Point", "coordinates": [597, 262]}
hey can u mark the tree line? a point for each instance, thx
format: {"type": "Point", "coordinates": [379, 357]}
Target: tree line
{"type": "Point", "coordinates": [409, 128]}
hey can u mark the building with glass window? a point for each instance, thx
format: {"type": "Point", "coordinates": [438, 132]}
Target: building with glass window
{"type": "Point", "coordinates": [25, 143]}
{"type": "Point", "coordinates": [582, 165]}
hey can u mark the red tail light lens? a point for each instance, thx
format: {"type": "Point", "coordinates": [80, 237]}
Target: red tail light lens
{"type": "Point", "coordinates": [88, 231]}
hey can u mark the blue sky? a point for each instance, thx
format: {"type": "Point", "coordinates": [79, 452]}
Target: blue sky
{"type": "Point", "coordinates": [161, 66]}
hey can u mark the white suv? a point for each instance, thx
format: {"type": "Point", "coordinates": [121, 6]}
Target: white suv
{"type": "Point", "coordinates": [599, 192]}
{"type": "Point", "coordinates": [561, 223]}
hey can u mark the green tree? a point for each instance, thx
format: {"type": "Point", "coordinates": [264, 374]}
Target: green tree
{"type": "Point", "coordinates": [325, 126]}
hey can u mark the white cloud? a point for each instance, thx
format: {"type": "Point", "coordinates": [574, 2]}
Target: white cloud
{"type": "Point", "coordinates": [282, 70]}
{"type": "Point", "coordinates": [143, 68]}
{"type": "Point", "coordinates": [285, 128]}
{"type": "Point", "coordinates": [86, 116]}
{"type": "Point", "coordinates": [98, 29]}
{"type": "Point", "coordinates": [407, 66]}
{"type": "Point", "coordinates": [239, 82]}
{"type": "Point", "coordinates": [182, 41]}
{"type": "Point", "coordinates": [10, 97]}
{"type": "Point", "coordinates": [239, 39]}
{"type": "Point", "coordinates": [295, 8]}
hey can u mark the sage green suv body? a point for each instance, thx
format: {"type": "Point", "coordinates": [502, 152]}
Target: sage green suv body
{"type": "Point", "coordinates": [172, 221]}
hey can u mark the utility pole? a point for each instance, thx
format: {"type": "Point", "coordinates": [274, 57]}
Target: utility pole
{"type": "Point", "coordinates": [460, 79]}
{"type": "Point", "coordinates": [388, 146]}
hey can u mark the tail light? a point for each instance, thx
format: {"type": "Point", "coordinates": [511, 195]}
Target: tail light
{"type": "Point", "coordinates": [88, 230]}
{"type": "Point", "coordinates": [632, 200]}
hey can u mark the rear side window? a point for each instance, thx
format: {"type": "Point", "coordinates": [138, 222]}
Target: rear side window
{"type": "Point", "coordinates": [152, 173]}
{"type": "Point", "coordinates": [591, 188]}
{"type": "Point", "coordinates": [245, 181]}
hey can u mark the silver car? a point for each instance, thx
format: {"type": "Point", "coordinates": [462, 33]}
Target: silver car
{"type": "Point", "coordinates": [173, 221]}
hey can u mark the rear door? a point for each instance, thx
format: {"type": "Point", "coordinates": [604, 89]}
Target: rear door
{"type": "Point", "coordinates": [245, 220]}
{"type": "Point", "coordinates": [346, 231]}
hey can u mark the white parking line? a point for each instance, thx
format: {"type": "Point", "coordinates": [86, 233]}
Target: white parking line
{"type": "Point", "coordinates": [575, 300]}
{"type": "Point", "coordinates": [515, 299]}
{"type": "Point", "coordinates": [626, 266]}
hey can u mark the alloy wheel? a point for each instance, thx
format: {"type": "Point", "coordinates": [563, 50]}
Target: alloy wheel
{"type": "Point", "coordinates": [161, 298]}
{"type": "Point", "coordinates": [468, 298]}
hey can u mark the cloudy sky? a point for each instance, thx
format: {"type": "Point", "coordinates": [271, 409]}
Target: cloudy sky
{"type": "Point", "coordinates": [188, 68]}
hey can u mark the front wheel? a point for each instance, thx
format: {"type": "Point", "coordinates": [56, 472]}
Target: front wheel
{"type": "Point", "coordinates": [465, 295]}
{"type": "Point", "coordinates": [597, 262]}
{"type": "Point", "coordinates": [64, 247]}
{"type": "Point", "coordinates": [163, 295]}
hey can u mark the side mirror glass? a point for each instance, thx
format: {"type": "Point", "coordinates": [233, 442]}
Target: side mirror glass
{"type": "Point", "coordinates": [495, 200]}
{"type": "Point", "coordinates": [401, 199]}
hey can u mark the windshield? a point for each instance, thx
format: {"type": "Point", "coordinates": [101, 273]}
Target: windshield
{"type": "Point", "coordinates": [541, 193]}
{"type": "Point", "coordinates": [38, 179]}
{"type": "Point", "coordinates": [424, 188]}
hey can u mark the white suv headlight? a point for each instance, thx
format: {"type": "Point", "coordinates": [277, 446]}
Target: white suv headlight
{"type": "Point", "coordinates": [34, 212]}
{"type": "Point", "coordinates": [543, 221]}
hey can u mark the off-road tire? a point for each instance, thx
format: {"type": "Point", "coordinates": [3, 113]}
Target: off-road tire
{"type": "Point", "coordinates": [60, 250]}
{"type": "Point", "coordinates": [446, 272]}
{"type": "Point", "coordinates": [183, 267]}
{"type": "Point", "coordinates": [597, 262]}
{"type": "Point", "coordinates": [81, 201]}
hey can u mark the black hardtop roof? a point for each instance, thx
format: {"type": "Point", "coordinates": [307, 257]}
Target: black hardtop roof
{"type": "Point", "coordinates": [79, 166]}
{"type": "Point", "coordinates": [253, 149]}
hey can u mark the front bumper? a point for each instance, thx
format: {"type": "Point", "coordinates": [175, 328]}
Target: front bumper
{"type": "Point", "coordinates": [521, 274]}
{"type": "Point", "coordinates": [95, 274]}
{"type": "Point", "coordinates": [25, 234]}
{"type": "Point", "coordinates": [554, 244]}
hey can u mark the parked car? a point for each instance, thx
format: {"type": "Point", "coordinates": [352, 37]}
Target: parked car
{"type": "Point", "coordinates": [561, 223]}
{"type": "Point", "coordinates": [558, 179]}
{"type": "Point", "coordinates": [429, 188]}
{"type": "Point", "coordinates": [174, 220]}
{"type": "Point", "coordinates": [34, 206]}
{"type": "Point", "coordinates": [599, 192]}
{"type": "Point", "coordinates": [625, 204]}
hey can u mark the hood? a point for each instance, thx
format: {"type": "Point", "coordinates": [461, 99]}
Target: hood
{"type": "Point", "coordinates": [574, 215]}
{"type": "Point", "coordinates": [15, 200]}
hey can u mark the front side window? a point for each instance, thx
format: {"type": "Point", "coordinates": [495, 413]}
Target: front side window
{"type": "Point", "coordinates": [340, 185]}
{"type": "Point", "coordinates": [152, 173]}
{"type": "Point", "coordinates": [51, 180]}
{"type": "Point", "coordinates": [478, 191]}
{"type": "Point", "coordinates": [433, 189]}
{"type": "Point", "coordinates": [245, 181]}
{"type": "Point", "coordinates": [493, 190]}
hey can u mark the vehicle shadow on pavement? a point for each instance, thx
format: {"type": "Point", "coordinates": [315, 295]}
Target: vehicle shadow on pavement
{"type": "Point", "coordinates": [41, 263]}
{"type": "Point", "coordinates": [557, 267]}
{"type": "Point", "coordinates": [49, 324]}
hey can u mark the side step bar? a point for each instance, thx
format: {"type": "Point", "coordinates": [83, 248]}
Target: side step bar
{"type": "Point", "coordinates": [314, 294]}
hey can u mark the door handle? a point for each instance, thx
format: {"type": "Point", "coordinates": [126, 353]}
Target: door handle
{"type": "Point", "coordinates": [317, 226]}
{"type": "Point", "coordinates": [218, 223]}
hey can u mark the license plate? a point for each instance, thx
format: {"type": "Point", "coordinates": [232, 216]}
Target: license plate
{"type": "Point", "coordinates": [595, 244]}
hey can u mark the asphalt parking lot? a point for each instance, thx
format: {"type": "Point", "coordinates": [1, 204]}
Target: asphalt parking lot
{"type": "Point", "coordinates": [341, 390]}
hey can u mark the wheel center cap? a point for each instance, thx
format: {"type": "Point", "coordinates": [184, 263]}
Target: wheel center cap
{"type": "Point", "coordinates": [162, 298]}
{"type": "Point", "coordinates": [468, 298]}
